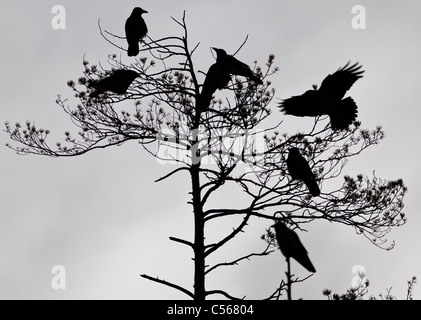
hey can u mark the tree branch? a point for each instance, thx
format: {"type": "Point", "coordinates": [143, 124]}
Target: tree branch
{"type": "Point", "coordinates": [182, 241]}
{"type": "Point", "coordinates": [169, 284]}
{"type": "Point", "coordinates": [247, 257]}
{"type": "Point", "coordinates": [225, 294]}
{"type": "Point", "coordinates": [229, 237]}
{"type": "Point", "coordinates": [171, 173]}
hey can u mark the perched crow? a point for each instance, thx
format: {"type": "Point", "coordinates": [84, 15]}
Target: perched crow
{"type": "Point", "coordinates": [291, 246]}
{"type": "Point", "coordinates": [216, 78]}
{"type": "Point", "coordinates": [328, 99]}
{"type": "Point", "coordinates": [136, 30]}
{"type": "Point", "coordinates": [299, 169]}
{"type": "Point", "coordinates": [234, 66]}
{"type": "Point", "coordinates": [118, 82]}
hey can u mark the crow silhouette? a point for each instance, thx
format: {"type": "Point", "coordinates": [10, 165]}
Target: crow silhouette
{"type": "Point", "coordinates": [234, 66]}
{"type": "Point", "coordinates": [216, 78]}
{"type": "Point", "coordinates": [118, 82]}
{"type": "Point", "coordinates": [291, 247]}
{"type": "Point", "coordinates": [328, 99]}
{"type": "Point", "coordinates": [298, 168]}
{"type": "Point", "coordinates": [136, 30]}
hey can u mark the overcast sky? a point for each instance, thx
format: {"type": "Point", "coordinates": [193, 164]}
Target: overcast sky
{"type": "Point", "coordinates": [102, 216]}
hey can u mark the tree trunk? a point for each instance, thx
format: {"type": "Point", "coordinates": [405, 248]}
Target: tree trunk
{"type": "Point", "coordinates": [199, 245]}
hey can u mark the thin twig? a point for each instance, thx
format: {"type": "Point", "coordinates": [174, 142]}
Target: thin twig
{"type": "Point", "coordinates": [114, 35]}
{"type": "Point", "coordinates": [171, 173]}
{"type": "Point", "coordinates": [109, 41]}
{"type": "Point", "coordinates": [169, 284]}
{"type": "Point", "coordinates": [225, 294]}
{"type": "Point", "coordinates": [235, 262]}
{"type": "Point", "coordinates": [242, 45]}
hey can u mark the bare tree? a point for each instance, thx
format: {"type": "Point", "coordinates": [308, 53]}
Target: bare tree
{"type": "Point", "coordinates": [223, 148]}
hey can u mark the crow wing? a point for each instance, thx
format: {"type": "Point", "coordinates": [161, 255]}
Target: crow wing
{"type": "Point", "coordinates": [344, 115]}
{"type": "Point", "coordinates": [239, 68]}
{"type": "Point", "coordinates": [216, 78]}
{"type": "Point", "coordinates": [235, 66]}
{"type": "Point", "coordinates": [336, 85]}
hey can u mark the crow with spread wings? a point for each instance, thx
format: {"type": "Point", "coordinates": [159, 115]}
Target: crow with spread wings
{"type": "Point", "coordinates": [328, 99]}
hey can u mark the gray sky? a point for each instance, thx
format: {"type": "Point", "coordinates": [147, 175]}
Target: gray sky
{"type": "Point", "coordinates": [102, 216]}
